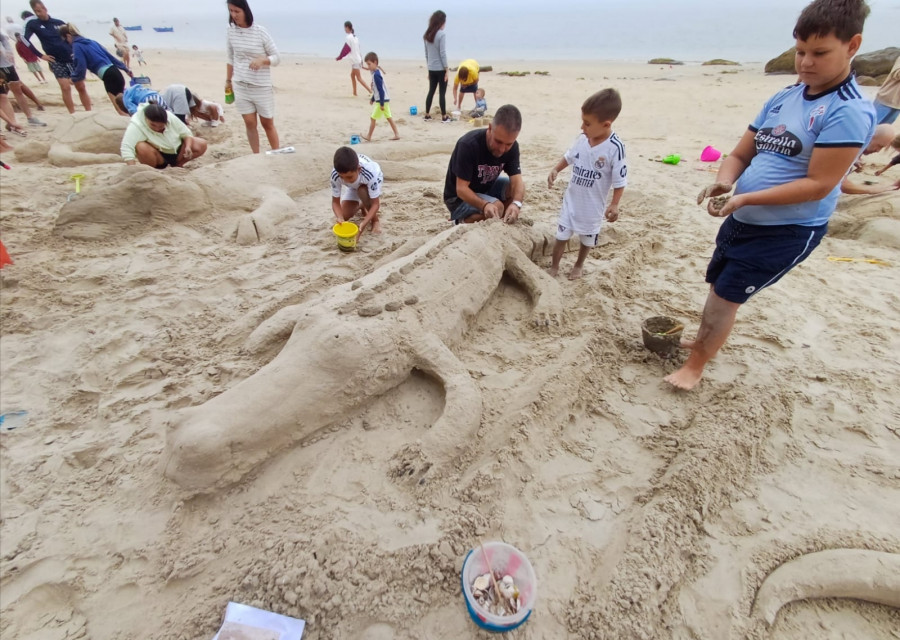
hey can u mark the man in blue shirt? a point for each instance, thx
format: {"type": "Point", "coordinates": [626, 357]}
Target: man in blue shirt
{"type": "Point", "coordinates": [788, 167]}
{"type": "Point", "coordinates": [57, 52]}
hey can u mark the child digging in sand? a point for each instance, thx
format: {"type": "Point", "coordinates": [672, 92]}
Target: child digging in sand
{"type": "Point", "coordinates": [356, 186]}
{"type": "Point", "coordinates": [380, 95]}
{"type": "Point", "coordinates": [598, 162]}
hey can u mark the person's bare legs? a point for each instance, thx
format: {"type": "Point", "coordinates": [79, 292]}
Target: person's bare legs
{"type": "Point", "coordinates": [356, 75]}
{"type": "Point", "coordinates": [268, 125]}
{"type": "Point", "coordinates": [578, 270]}
{"type": "Point", "coordinates": [65, 86]}
{"type": "Point", "coordinates": [394, 129]}
{"type": "Point", "coordinates": [559, 248]}
{"type": "Point", "coordinates": [196, 146]}
{"type": "Point", "coordinates": [81, 88]}
{"type": "Point", "coordinates": [368, 138]}
{"type": "Point", "coordinates": [21, 90]}
{"type": "Point", "coordinates": [252, 133]}
{"type": "Point", "coordinates": [715, 326]}
{"type": "Point", "coordinates": [147, 154]}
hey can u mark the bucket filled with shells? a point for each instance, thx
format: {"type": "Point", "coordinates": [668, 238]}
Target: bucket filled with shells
{"type": "Point", "coordinates": [499, 586]}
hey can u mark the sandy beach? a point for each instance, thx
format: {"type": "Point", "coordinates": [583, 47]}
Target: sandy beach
{"type": "Point", "coordinates": [646, 513]}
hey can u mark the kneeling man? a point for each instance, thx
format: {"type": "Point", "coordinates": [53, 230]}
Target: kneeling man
{"type": "Point", "coordinates": [155, 139]}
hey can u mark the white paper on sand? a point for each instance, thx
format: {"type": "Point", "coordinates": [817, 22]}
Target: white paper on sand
{"type": "Point", "coordinates": [243, 622]}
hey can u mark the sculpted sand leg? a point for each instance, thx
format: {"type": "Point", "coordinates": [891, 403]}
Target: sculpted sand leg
{"type": "Point", "coordinates": [367, 335]}
{"type": "Point", "coordinates": [840, 573]}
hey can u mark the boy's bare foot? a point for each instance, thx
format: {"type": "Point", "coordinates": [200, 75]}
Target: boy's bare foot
{"type": "Point", "coordinates": [576, 273]}
{"type": "Point", "coordinates": [686, 378]}
{"type": "Point", "coordinates": [365, 138]}
{"type": "Point", "coordinates": [553, 271]}
{"type": "Point", "coordinates": [395, 138]}
{"type": "Point", "coordinates": [686, 344]}
{"type": "Point", "coordinates": [376, 226]}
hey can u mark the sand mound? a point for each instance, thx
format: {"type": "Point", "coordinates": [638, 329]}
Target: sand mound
{"type": "Point", "coordinates": [98, 131]}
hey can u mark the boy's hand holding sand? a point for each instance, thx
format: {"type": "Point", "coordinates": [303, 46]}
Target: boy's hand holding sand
{"type": "Point", "coordinates": [612, 213]}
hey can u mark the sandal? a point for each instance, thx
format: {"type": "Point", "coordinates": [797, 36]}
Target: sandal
{"type": "Point", "coordinates": [17, 130]}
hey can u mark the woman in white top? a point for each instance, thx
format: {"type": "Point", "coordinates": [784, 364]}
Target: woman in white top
{"type": "Point", "coordinates": [251, 52]}
{"type": "Point", "coordinates": [351, 51]}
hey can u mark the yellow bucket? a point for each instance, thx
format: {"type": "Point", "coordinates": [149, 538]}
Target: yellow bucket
{"type": "Point", "coordinates": [346, 235]}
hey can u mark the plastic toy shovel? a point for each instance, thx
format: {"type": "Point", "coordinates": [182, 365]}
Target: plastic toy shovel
{"type": "Point", "coordinates": [78, 177]}
{"type": "Point", "coordinates": [672, 159]}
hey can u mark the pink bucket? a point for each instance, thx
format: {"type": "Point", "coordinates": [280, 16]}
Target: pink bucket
{"type": "Point", "coordinates": [710, 154]}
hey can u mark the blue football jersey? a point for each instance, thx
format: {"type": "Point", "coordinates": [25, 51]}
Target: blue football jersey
{"type": "Point", "coordinates": [791, 124]}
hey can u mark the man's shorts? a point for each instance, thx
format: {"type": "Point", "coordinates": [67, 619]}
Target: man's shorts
{"type": "Point", "coordinates": [11, 75]}
{"type": "Point", "coordinates": [563, 233]}
{"type": "Point", "coordinates": [497, 192]}
{"type": "Point", "coordinates": [249, 98]}
{"type": "Point", "coordinates": [749, 257]}
{"type": "Point", "coordinates": [62, 69]}
{"type": "Point", "coordinates": [468, 88]}
{"type": "Point", "coordinates": [378, 113]}
{"type": "Point", "coordinates": [170, 159]}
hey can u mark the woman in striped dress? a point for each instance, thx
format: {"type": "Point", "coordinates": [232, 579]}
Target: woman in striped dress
{"type": "Point", "coordinates": [251, 52]}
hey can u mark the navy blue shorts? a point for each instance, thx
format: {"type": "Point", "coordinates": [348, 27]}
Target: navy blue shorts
{"type": "Point", "coordinates": [750, 257]}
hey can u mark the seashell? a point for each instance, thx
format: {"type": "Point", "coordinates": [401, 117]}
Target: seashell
{"type": "Point", "coordinates": [507, 588]}
{"type": "Point", "coordinates": [482, 583]}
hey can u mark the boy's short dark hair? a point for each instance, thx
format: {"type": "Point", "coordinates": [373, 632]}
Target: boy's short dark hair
{"type": "Point", "coordinates": [345, 159]}
{"type": "Point", "coordinates": [603, 105]}
{"type": "Point", "coordinates": [843, 18]}
{"type": "Point", "coordinates": [371, 57]}
{"type": "Point", "coordinates": [509, 117]}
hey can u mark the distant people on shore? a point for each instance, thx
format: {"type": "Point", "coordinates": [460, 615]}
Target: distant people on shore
{"type": "Point", "coordinates": [56, 51]}
{"type": "Point", "coordinates": [19, 89]}
{"type": "Point", "coordinates": [251, 53]}
{"type": "Point", "coordinates": [351, 52]}
{"type": "Point", "coordinates": [436, 62]}
{"type": "Point", "coordinates": [120, 36]}
{"type": "Point", "coordinates": [89, 55]}
{"type": "Point", "coordinates": [155, 139]}
{"type": "Point", "coordinates": [466, 81]}
{"type": "Point", "coordinates": [31, 61]}
{"type": "Point", "coordinates": [380, 95]}
{"type": "Point", "coordinates": [138, 55]}
{"type": "Point", "coordinates": [474, 190]}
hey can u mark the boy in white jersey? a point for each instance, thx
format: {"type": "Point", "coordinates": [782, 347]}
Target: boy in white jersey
{"type": "Point", "coordinates": [598, 162]}
{"type": "Point", "coordinates": [356, 186]}
{"type": "Point", "coordinates": [788, 168]}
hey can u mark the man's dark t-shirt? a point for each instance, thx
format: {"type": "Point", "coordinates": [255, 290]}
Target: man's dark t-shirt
{"type": "Point", "coordinates": [473, 161]}
{"type": "Point", "coordinates": [47, 32]}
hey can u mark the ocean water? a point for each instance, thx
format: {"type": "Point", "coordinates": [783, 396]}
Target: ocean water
{"type": "Point", "coordinates": [689, 30]}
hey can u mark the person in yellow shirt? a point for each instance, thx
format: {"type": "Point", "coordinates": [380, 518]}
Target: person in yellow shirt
{"type": "Point", "coordinates": [466, 81]}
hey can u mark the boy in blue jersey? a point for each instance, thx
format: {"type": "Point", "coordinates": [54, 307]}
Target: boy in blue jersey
{"type": "Point", "coordinates": [788, 168]}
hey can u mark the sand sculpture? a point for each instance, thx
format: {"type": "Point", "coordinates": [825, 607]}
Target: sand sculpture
{"type": "Point", "coordinates": [91, 137]}
{"type": "Point", "coordinates": [368, 336]}
{"type": "Point", "coordinates": [873, 576]}
{"type": "Point", "coordinates": [259, 190]}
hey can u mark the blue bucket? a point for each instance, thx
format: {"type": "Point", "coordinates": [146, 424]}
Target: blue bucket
{"type": "Point", "coordinates": [413, 111]}
{"type": "Point", "coordinates": [354, 139]}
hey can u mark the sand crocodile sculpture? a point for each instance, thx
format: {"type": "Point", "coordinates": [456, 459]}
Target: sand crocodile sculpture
{"type": "Point", "coordinates": [367, 335]}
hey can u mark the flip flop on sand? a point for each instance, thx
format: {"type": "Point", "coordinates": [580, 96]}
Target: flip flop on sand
{"type": "Point", "coordinates": [17, 130]}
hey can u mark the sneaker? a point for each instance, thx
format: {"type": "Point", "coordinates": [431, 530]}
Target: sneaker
{"type": "Point", "coordinates": [427, 116]}
{"type": "Point", "coordinates": [445, 118]}
{"type": "Point", "coordinates": [36, 123]}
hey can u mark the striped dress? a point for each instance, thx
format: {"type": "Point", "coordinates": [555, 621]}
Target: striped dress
{"type": "Point", "coordinates": [253, 91]}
